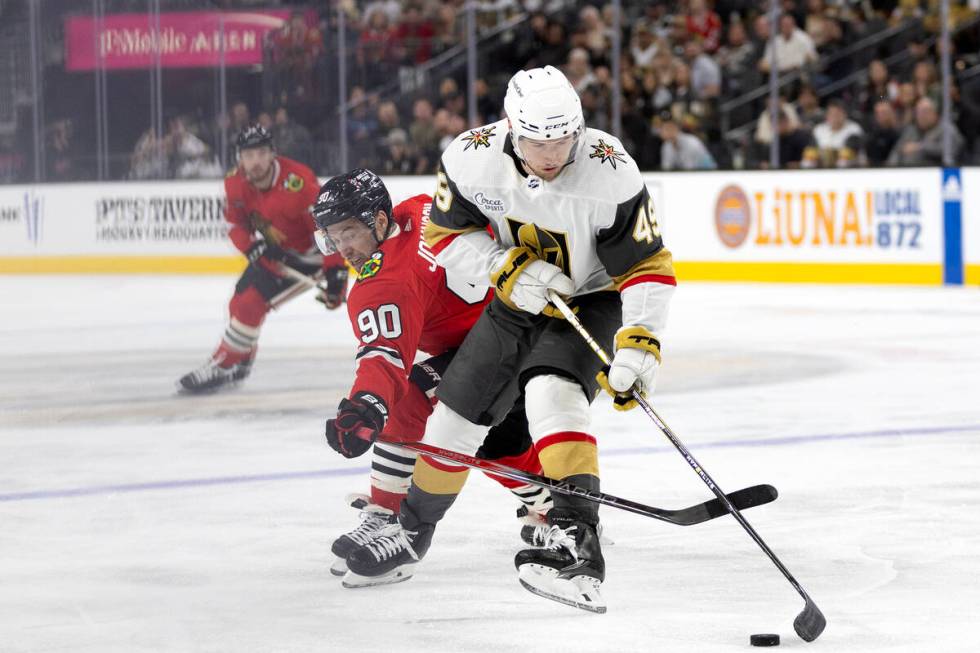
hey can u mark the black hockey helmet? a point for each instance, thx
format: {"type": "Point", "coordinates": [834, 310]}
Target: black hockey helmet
{"type": "Point", "coordinates": [359, 194]}
{"type": "Point", "coordinates": [254, 135]}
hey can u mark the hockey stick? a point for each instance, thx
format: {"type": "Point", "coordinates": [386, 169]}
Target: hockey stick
{"type": "Point", "coordinates": [305, 283]}
{"type": "Point", "coordinates": [810, 622]}
{"type": "Point", "coordinates": [749, 497]}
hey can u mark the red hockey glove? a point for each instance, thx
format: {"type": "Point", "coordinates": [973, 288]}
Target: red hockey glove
{"type": "Point", "coordinates": [358, 424]}
{"type": "Point", "coordinates": [332, 291]}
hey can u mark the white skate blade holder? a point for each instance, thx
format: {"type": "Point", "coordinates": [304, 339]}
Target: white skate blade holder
{"type": "Point", "coordinates": [400, 575]}
{"type": "Point", "coordinates": [339, 567]}
{"type": "Point", "coordinates": [579, 591]}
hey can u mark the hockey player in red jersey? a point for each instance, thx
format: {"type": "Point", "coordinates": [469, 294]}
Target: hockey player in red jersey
{"type": "Point", "coordinates": [268, 206]}
{"type": "Point", "coordinates": [400, 304]}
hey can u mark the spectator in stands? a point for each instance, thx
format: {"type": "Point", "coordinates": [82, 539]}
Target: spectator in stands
{"type": "Point", "coordinates": [737, 60]}
{"type": "Point", "coordinates": [265, 119]}
{"type": "Point", "coordinates": [838, 139]}
{"type": "Point", "coordinates": [374, 52]}
{"type": "Point", "coordinates": [446, 127]}
{"type": "Point", "coordinates": [882, 134]}
{"type": "Point", "coordinates": [388, 119]}
{"type": "Point", "coordinates": [680, 150]}
{"type": "Point", "coordinates": [578, 70]}
{"type": "Point", "coordinates": [62, 152]}
{"type": "Point", "coordinates": [644, 46]}
{"type": "Point", "coordinates": [705, 71]}
{"type": "Point", "coordinates": [592, 34]}
{"type": "Point", "coordinates": [292, 139]}
{"type": "Point", "coordinates": [398, 158]}
{"type": "Point", "coordinates": [794, 47]}
{"type": "Point", "coordinates": [392, 9]}
{"type": "Point", "coordinates": [555, 51]}
{"type": "Point", "coordinates": [487, 106]}
{"type": "Point", "coordinates": [295, 48]}
{"type": "Point", "coordinates": [362, 128]}
{"type": "Point", "coordinates": [456, 126]}
{"type": "Point", "coordinates": [880, 86]}
{"type": "Point", "coordinates": [760, 34]}
{"type": "Point", "coordinates": [149, 159]}
{"type": "Point", "coordinates": [703, 25]}
{"type": "Point", "coordinates": [424, 134]}
{"type": "Point", "coordinates": [926, 81]}
{"type": "Point", "coordinates": [813, 23]}
{"type": "Point", "coordinates": [190, 157]}
{"type": "Point", "coordinates": [808, 108]}
{"type": "Point", "coordinates": [917, 51]}
{"type": "Point", "coordinates": [905, 103]}
{"type": "Point", "coordinates": [794, 139]}
{"type": "Point", "coordinates": [597, 100]}
{"type": "Point", "coordinates": [232, 124]}
{"type": "Point", "coordinates": [447, 27]}
{"type": "Point", "coordinates": [836, 66]}
{"type": "Point", "coordinates": [413, 36]}
{"type": "Point", "coordinates": [763, 126]}
{"type": "Point", "coordinates": [921, 143]}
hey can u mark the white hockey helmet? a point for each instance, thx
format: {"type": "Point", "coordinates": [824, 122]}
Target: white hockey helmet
{"type": "Point", "coordinates": [541, 104]}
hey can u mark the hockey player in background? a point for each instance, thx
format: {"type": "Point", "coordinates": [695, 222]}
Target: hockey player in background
{"type": "Point", "coordinates": [570, 213]}
{"type": "Point", "coordinates": [401, 303]}
{"type": "Point", "coordinates": [268, 200]}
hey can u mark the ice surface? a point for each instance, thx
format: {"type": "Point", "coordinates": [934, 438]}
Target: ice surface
{"type": "Point", "coordinates": [135, 520]}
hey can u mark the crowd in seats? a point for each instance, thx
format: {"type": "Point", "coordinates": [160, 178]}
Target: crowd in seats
{"type": "Point", "coordinates": [685, 70]}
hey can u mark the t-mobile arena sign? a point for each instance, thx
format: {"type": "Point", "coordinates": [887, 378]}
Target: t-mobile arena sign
{"type": "Point", "coordinates": [183, 39]}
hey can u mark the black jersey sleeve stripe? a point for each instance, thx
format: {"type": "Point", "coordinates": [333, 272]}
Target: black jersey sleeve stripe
{"type": "Point", "coordinates": [622, 245]}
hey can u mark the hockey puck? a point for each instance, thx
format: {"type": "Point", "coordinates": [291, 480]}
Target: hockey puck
{"type": "Point", "coordinates": [765, 639]}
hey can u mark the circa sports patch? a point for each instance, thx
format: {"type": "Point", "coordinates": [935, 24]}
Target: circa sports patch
{"type": "Point", "coordinates": [371, 267]}
{"type": "Point", "coordinates": [607, 153]}
{"type": "Point", "coordinates": [478, 137]}
{"type": "Point", "coordinates": [293, 182]}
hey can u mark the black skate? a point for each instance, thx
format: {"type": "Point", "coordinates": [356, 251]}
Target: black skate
{"type": "Point", "coordinates": [390, 557]}
{"type": "Point", "coordinates": [536, 534]}
{"type": "Point", "coordinates": [373, 519]}
{"type": "Point", "coordinates": [569, 567]}
{"type": "Point", "coordinates": [211, 376]}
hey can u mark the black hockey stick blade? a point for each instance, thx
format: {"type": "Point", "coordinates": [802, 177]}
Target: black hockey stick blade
{"type": "Point", "coordinates": [809, 623]}
{"type": "Point", "coordinates": [749, 497]}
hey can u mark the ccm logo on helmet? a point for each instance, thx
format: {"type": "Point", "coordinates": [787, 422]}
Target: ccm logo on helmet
{"type": "Point", "coordinates": [559, 126]}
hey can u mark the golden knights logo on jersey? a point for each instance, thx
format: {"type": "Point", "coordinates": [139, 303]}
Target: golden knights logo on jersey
{"type": "Point", "coordinates": [478, 137]}
{"type": "Point", "coordinates": [549, 246]}
{"type": "Point", "coordinates": [606, 153]}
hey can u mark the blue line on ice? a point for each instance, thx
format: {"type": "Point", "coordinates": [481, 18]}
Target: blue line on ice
{"type": "Point", "coordinates": [353, 471]}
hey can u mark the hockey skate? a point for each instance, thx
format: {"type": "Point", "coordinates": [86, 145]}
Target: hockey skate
{"type": "Point", "coordinates": [535, 533]}
{"type": "Point", "coordinates": [390, 557]}
{"type": "Point", "coordinates": [212, 376]}
{"type": "Point", "coordinates": [569, 568]}
{"type": "Point", "coordinates": [373, 519]}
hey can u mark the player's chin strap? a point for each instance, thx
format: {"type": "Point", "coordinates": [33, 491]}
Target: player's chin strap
{"type": "Point", "coordinates": [810, 622]}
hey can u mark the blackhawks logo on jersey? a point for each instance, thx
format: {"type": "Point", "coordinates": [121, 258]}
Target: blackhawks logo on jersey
{"type": "Point", "coordinates": [371, 267]}
{"type": "Point", "coordinates": [606, 153]}
{"type": "Point", "coordinates": [293, 182]}
{"type": "Point", "coordinates": [478, 137]}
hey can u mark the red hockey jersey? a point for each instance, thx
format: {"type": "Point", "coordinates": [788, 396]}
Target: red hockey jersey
{"type": "Point", "coordinates": [402, 302]}
{"type": "Point", "coordinates": [281, 213]}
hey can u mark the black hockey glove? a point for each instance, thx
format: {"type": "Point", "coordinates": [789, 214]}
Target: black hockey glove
{"type": "Point", "coordinates": [332, 291]}
{"type": "Point", "coordinates": [358, 424]}
{"type": "Point", "coordinates": [263, 249]}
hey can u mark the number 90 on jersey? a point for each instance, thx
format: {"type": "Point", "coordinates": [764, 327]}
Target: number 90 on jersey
{"type": "Point", "coordinates": [383, 321]}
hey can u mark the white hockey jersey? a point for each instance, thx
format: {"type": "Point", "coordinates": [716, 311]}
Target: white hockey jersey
{"type": "Point", "coordinates": [595, 220]}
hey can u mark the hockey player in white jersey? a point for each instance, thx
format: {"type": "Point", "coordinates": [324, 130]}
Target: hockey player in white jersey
{"type": "Point", "coordinates": [569, 212]}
